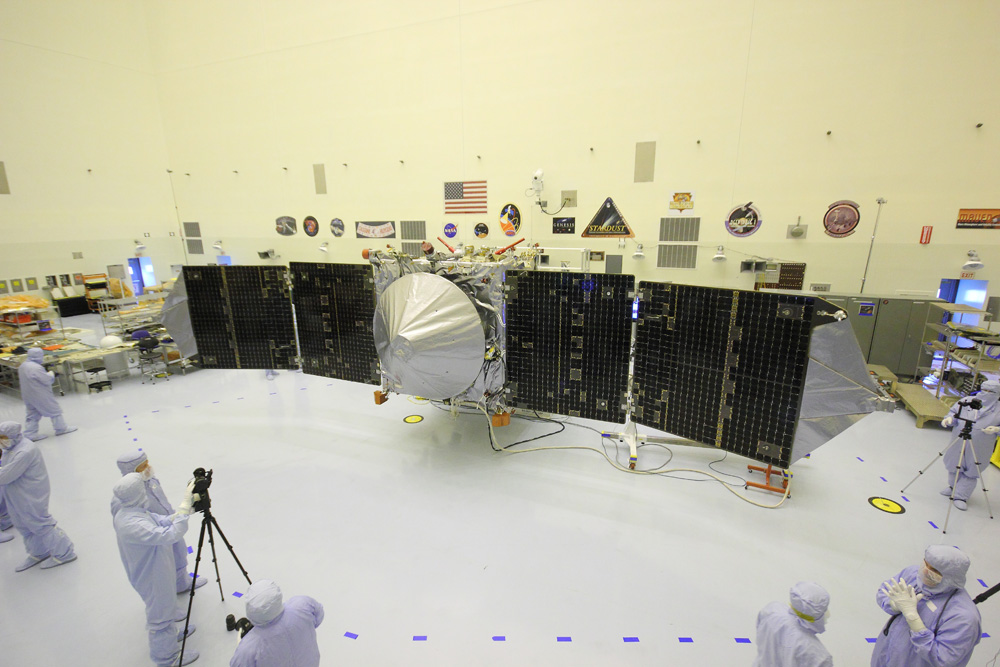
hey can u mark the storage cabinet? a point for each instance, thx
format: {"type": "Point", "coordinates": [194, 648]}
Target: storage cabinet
{"type": "Point", "coordinates": [889, 329]}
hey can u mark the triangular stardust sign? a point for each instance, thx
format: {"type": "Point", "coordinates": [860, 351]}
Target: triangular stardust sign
{"type": "Point", "coordinates": [607, 223]}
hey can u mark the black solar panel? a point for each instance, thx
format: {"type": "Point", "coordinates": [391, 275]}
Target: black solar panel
{"type": "Point", "coordinates": [568, 337]}
{"type": "Point", "coordinates": [334, 308]}
{"type": "Point", "coordinates": [722, 367]}
{"type": "Point", "coordinates": [241, 316]}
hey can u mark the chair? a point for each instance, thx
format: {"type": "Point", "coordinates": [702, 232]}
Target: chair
{"type": "Point", "coordinates": [94, 380]}
{"type": "Point", "coordinates": [151, 361]}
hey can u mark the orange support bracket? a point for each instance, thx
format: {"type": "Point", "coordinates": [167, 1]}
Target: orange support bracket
{"type": "Point", "coordinates": [768, 471]}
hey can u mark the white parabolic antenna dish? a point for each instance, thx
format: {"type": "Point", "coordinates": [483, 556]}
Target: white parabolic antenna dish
{"type": "Point", "coordinates": [429, 337]}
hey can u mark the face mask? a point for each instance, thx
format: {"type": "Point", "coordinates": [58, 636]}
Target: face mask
{"type": "Point", "coordinates": [5, 443]}
{"type": "Point", "coordinates": [147, 473]}
{"type": "Point", "coordinates": [930, 579]}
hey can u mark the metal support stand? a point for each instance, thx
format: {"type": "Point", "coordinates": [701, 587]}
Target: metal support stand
{"type": "Point", "coordinates": [207, 522]}
{"type": "Point", "coordinates": [965, 435]}
{"type": "Point", "coordinates": [768, 471]}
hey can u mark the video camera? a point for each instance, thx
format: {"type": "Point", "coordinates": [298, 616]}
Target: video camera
{"type": "Point", "coordinates": [243, 625]}
{"type": "Point", "coordinates": [202, 480]}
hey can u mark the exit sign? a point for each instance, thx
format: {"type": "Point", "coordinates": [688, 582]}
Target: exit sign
{"type": "Point", "coordinates": [968, 274]}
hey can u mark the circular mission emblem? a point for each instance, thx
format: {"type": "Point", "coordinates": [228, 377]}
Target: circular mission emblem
{"type": "Point", "coordinates": [743, 220]}
{"type": "Point", "coordinates": [310, 226]}
{"type": "Point", "coordinates": [841, 219]}
{"type": "Point", "coordinates": [886, 505]}
{"type": "Point", "coordinates": [337, 227]}
{"type": "Point", "coordinates": [450, 230]}
{"type": "Point", "coordinates": [482, 230]}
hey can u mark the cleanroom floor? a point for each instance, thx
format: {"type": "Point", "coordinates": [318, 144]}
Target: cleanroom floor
{"type": "Point", "coordinates": [428, 548]}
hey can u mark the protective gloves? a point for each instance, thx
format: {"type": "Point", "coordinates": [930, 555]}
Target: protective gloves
{"type": "Point", "coordinates": [991, 430]}
{"type": "Point", "coordinates": [948, 421]}
{"type": "Point", "coordinates": [903, 598]}
{"type": "Point", "coordinates": [190, 498]}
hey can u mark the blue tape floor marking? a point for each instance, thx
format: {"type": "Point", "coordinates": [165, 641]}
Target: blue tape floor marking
{"type": "Point", "coordinates": [986, 635]}
{"type": "Point", "coordinates": [237, 594]}
{"type": "Point", "coordinates": [905, 498]}
{"type": "Point", "coordinates": [883, 479]}
{"type": "Point", "coordinates": [933, 525]}
{"type": "Point", "coordinates": [742, 640]}
{"type": "Point", "coordinates": [685, 640]}
{"type": "Point", "coordinates": [155, 410]}
{"type": "Point", "coordinates": [870, 640]}
{"type": "Point", "coordinates": [190, 550]}
{"type": "Point", "coordinates": [419, 638]}
{"type": "Point", "coordinates": [350, 635]}
{"type": "Point", "coordinates": [564, 639]}
{"type": "Point", "coordinates": [860, 459]}
{"type": "Point", "coordinates": [214, 402]}
{"type": "Point", "coordinates": [630, 640]}
{"type": "Point", "coordinates": [496, 638]}
{"type": "Point", "coordinates": [983, 583]}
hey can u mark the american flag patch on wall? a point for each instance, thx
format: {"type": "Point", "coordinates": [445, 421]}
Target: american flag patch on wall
{"type": "Point", "coordinates": [465, 197]}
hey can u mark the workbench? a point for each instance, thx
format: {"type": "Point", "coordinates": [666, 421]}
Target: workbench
{"type": "Point", "coordinates": [922, 403]}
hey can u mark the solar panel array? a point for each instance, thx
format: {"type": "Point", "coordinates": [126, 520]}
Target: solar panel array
{"type": "Point", "coordinates": [241, 316]}
{"type": "Point", "coordinates": [334, 308]}
{"type": "Point", "coordinates": [568, 337]}
{"type": "Point", "coordinates": [722, 367]}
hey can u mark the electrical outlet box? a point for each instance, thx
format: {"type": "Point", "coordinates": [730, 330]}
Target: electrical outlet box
{"type": "Point", "coordinates": [569, 197]}
{"type": "Point", "coordinates": [819, 287]}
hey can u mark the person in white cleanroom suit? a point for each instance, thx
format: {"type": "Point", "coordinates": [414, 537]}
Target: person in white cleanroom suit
{"type": "Point", "coordinates": [36, 391]}
{"type": "Point", "coordinates": [145, 542]}
{"type": "Point", "coordinates": [786, 633]}
{"type": "Point", "coordinates": [283, 635]}
{"type": "Point", "coordinates": [157, 503]}
{"type": "Point", "coordinates": [5, 522]}
{"type": "Point", "coordinates": [984, 438]}
{"type": "Point", "coordinates": [25, 484]}
{"type": "Point", "coordinates": [940, 624]}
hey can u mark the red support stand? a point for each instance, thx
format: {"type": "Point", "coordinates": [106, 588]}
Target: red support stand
{"type": "Point", "coordinates": [768, 471]}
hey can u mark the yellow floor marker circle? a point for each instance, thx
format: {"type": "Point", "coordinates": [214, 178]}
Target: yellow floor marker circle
{"type": "Point", "coordinates": [413, 419]}
{"type": "Point", "coordinates": [886, 505]}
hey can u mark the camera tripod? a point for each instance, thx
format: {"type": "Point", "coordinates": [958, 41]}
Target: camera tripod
{"type": "Point", "coordinates": [204, 506]}
{"type": "Point", "coordinates": [965, 436]}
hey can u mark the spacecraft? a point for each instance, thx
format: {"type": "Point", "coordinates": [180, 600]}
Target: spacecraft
{"type": "Point", "coordinates": [769, 376]}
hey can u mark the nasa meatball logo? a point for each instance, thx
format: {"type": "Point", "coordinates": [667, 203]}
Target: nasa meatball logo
{"type": "Point", "coordinates": [743, 220]}
{"type": "Point", "coordinates": [450, 230]}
